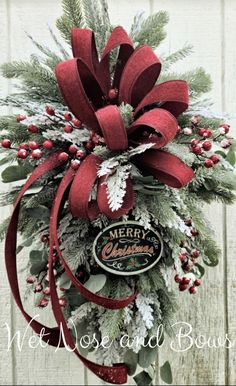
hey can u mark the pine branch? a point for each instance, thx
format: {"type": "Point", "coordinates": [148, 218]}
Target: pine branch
{"type": "Point", "coordinates": [181, 54]}
{"type": "Point", "coordinates": [71, 18]}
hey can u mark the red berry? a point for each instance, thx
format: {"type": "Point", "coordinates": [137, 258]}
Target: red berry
{"type": "Point", "coordinates": [207, 145]}
{"type": "Point", "coordinates": [197, 149]}
{"type": "Point", "coordinates": [202, 132]}
{"type": "Point", "coordinates": [226, 127]}
{"type": "Point", "coordinates": [38, 288]}
{"type": "Point", "coordinates": [215, 158]}
{"type": "Point", "coordinates": [33, 129]}
{"type": "Point", "coordinates": [197, 282]}
{"type": "Point", "coordinates": [30, 279]}
{"type": "Point", "coordinates": [182, 257]}
{"type": "Point", "coordinates": [89, 145]}
{"type": "Point", "coordinates": [6, 143]}
{"type": "Point", "coordinates": [177, 278]}
{"type": "Point", "coordinates": [208, 163]}
{"type": "Point", "coordinates": [24, 146]}
{"type": "Point", "coordinates": [195, 120]}
{"type": "Point", "coordinates": [63, 156]}
{"type": "Point", "coordinates": [73, 149]}
{"type": "Point", "coordinates": [195, 253]}
{"type": "Point", "coordinates": [81, 154]}
{"type": "Point", "coordinates": [22, 153]}
{"type": "Point", "coordinates": [68, 116]}
{"type": "Point", "coordinates": [185, 280]}
{"type": "Point", "coordinates": [183, 287]}
{"type": "Point", "coordinates": [187, 266]}
{"type": "Point", "coordinates": [62, 302]}
{"type": "Point", "coordinates": [43, 302]}
{"type": "Point", "coordinates": [50, 110]}
{"type": "Point", "coordinates": [48, 144]}
{"type": "Point", "coordinates": [188, 222]}
{"type": "Point", "coordinates": [195, 142]}
{"type": "Point", "coordinates": [194, 232]}
{"type": "Point", "coordinates": [33, 145]}
{"type": "Point", "coordinates": [75, 164]}
{"type": "Point", "coordinates": [209, 133]}
{"type": "Point", "coordinates": [36, 154]}
{"type": "Point", "coordinates": [192, 290]}
{"type": "Point", "coordinates": [46, 291]}
{"type": "Point", "coordinates": [113, 93]}
{"type": "Point", "coordinates": [20, 118]}
{"type": "Point", "coordinates": [44, 238]}
{"type": "Point", "coordinates": [76, 122]}
{"type": "Point", "coordinates": [68, 129]}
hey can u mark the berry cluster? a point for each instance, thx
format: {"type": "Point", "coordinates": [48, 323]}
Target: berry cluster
{"type": "Point", "coordinates": [187, 283]}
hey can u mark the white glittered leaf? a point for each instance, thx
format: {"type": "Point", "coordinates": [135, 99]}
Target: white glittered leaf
{"type": "Point", "coordinates": [116, 187]}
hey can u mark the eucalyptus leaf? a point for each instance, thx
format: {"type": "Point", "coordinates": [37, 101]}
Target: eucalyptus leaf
{"type": "Point", "coordinates": [14, 173]}
{"type": "Point", "coordinates": [210, 262]}
{"type": "Point", "coordinates": [37, 262]}
{"type": "Point", "coordinates": [64, 281]}
{"type": "Point", "coordinates": [220, 152]}
{"type": "Point", "coordinates": [147, 356]}
{"type": "Point", "coordinates": [40, 212]}
{"type": "Point", "coordinates": [131, 361]}
{"type": "Point", "coordinates": [74, 298]}
{"type": "Point", "coordinates": [201, 269]}
{"type": "Point", "coordinates": [166, 373]}
{"type": "Point", "coordinates": [231, 157]}
{"type": "Point", "coordinates": [33, 190]}
{"type": "Point", "coordinates": [143, 378]}
{"type": "Point", "coordinates": [96, 282]}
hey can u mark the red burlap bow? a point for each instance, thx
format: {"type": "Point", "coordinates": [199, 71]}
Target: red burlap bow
{"type": "Point", "coordinates": [85, 84]}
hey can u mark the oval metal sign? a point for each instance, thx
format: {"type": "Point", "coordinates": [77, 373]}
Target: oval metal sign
{"type": "Point", "coordinates": [126, 248]}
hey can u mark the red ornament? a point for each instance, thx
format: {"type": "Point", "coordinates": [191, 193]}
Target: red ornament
{"type": "Point", "coordinates": [30, 279]}
{"type": "Point", "coordinates": [68, 129]}
{"type": "Point", "coordinates": [207, 145]}
{"type": "Point", "coordinates": [22, 153]}
{"type": "Point", "coordinates": [63, 156]}
{"type": "Point", "coordinates": [43, 302]}
{"type": "Point", "coordinates": [48, 144]}
{"type": "Point", "coordinates": [81, 154]}
{"type": "Point", "coordinates": [50, 110]}
{"type": "Point", "coordinates": [6, 143]}
{"type": "Point", "coordinates": [113, 93]}
{"type": "Point", "coordinates": [75, 164]}
{"type": "Point", "coordinates": [197, 150]}
{"type": "Point", "coordinates": [76, 122]}
{"type": "Point", "coordinates": [33, 128]}
{"type": "Point", "coordinates": [33, 145]}
{"type": "Point", "coordinates": [73, 149]}
{"type": "Point", "coordinates": [197, 282]}
{"type": "Point", "coordinates": [36, 154]}
{"type": "Point", "coordinates": [68, 116]}
{"type": "Point", "coordinates": [192, 290]}
{"type": "Point", "coordinates": [177, 278]}
{"type": "Point", "coordinates": [215, 158]}
{"type": "Point", "coordinates": [208, 163]}
{"type": "Point", "coordinates": [20, 118]}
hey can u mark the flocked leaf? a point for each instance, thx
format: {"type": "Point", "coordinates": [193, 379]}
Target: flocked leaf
{"type": "Point", "coordinates": [96, 282]}
{"type": "Point", "coordinates": [131, 361]}
{"type": "Point", "coordinates": [166, 373]}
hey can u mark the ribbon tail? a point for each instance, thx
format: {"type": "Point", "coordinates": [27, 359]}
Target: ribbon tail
{"type": "Point", "coordinates": [165, 167]}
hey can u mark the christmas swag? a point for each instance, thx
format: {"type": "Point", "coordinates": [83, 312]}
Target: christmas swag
{"type": "Point", "coordinates": [114, 163]}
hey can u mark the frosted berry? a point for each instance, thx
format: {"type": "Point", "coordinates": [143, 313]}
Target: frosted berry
{"type": "Point", "coordinates": [113, 93]}
{"type": "Point", "coordinates": [89, 145]}
{"type": "Point", "coordinates": [177, 278]}
{"type": "Point", "coordinates": [207, 145]}
{"type": "Point", "coordinates": [30, 279]}
{"type": "Point", "coordinates": [76, 122]}
{"type": "Point", "coordinates": [197, 149]}
{"type": "Point", "coordinates": [183, 287]}
{"type": "Point", "coordinates": [195, 120]}
{"type": "Point", "coordinates": [215, 158]}
{"type": "Point", "coordinates": [75, 164]}
{"type": "Point", "coordinates": [192, 290]}
{"type": "Point", "coordinates": [62, 302]}
{"type": "Point", "coordinates": [50, 110]}
{"type": "Point", "coordinates": [225, 143]}
{"type": "Point", "coordinates": [81, 154]}
{"type": "Point", "coordinates": [195, 253]}
{"type": "Point", "coordinates": [46, 291]}
{"type": "Point", "coordinates": [224, 128]}
{"type": "Point", "coordinates": [48, 144]}
{"type": "Point", "coordinates": [20, 118]}
{"type": "Point", "coordinates": [38, 288]}
{"type": "Point", "coordinates": [6, 143]}
{"type": "Point", "coordinates": [36, 154]}
{"type": "Point", "coordinates": [187, 266]}
{"type": "Point", "coordinates": [33, 129]}
{"type": "Point", "coordinates": [24, 146]}
{"type": "Point", "coordinates": [43, 302]}
{"type": "Point", "coordinates": [73, 149]}
{"type": "Point", "coordinates": [63, 156]}
{"type": "Point", "coordinates": [195, 142]}
{"type": "Point", "coordinates": [68, 129]}
{"type": "Point", "coordinates": [68, 116]}
{"type": "Point", "coordinates": [33, 145]}
{"type": "Point", "coordinates": [202, 132]}
{"type": "Point", "coordinates": [44, 238]}
{"type": "Point", "coordinates": [197, 282]}
{"type": "Point", "coordinates": [187, 131]}
{"type": "Point", "coordinates": [22, 153]}
{"type": "Point", "coordinates": [209, 133]}
{"type": "Point", "coordinates": [182, 257]}
{"type": "Point", "coordinates": [185, 280]}
{"type": "Point", "coordinates": [188, 222]}
{"type": "Point", "coordinates": [208, 163]}
{"type": "Point", "coordinates": [194, 232]}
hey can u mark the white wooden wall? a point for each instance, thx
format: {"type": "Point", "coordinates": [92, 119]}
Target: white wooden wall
{"type": "Point", "coordinates": [210, 26]}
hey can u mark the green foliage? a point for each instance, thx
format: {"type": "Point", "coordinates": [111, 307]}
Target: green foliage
{"type": "Point", "coordinates": [131, 361]}
{"type": "Point", "coordinates": [15, 173]}
{"type": "Point", "coordinates": [71, 18]}
{"type": "Point", "coordinates": [151, 30]}
{"type": "Point", "coordinates": [180, 54]}
{"type": "Point", "coordinates": [166, 373]}
{"type": "Point", "coordinates": [3, 228]}
{"type": "Point", "coordinates": [143, 378]}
